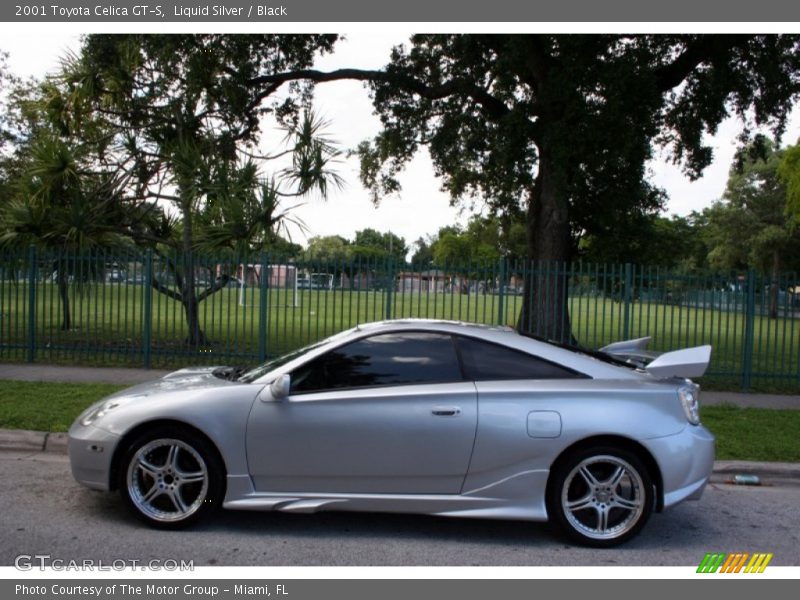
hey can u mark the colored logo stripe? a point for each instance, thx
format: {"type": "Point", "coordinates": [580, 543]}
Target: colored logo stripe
{"type": "Point", "coordinates": [710, 563]}
{"type": "Point", "coordinates": [733, 563]}
{"type": "Point", "coordinates": [758, 563]}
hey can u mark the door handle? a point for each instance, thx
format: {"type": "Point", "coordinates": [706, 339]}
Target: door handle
{"type": "Point", "coordinates": [446, 411]}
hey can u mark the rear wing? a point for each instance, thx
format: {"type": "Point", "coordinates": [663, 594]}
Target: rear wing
{"type": "Point", "coordinates": [689, 362]}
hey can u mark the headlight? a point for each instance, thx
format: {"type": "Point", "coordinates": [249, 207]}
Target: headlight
{"type": "Point", "coordinates": [690, 399]}
{"type": "Point", "coordinates": [97, 411]}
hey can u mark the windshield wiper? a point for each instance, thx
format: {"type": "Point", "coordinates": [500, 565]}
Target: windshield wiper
{"type": "Point", "coordinates": [230, 373]}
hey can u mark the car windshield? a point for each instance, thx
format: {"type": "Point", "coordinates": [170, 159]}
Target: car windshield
{"type": "Point", "coordinates": [271, 365]}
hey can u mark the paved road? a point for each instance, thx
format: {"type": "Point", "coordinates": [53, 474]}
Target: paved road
{"type": "Point", "coordinates": [42, 511]}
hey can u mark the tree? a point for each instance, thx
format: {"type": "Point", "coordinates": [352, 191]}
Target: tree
{"type": "Point", "coordinates": [372, 246]}
{"type": "Point", "coordinates": [55, 199]}
{"type": "Point", "coordinates": [59, 205]}
{"type": "Point", "coordinates": [422, 258]}
{"type": "Point", "coordinates": [647, 239]}
{"type": "Point", "coordinates": [789, 172]}
{"type": "Point", "coordinates": [185, 128]}
{"type": "Point", "coordinates": [329, 249]}
{"type": "Point", "coordinates": [750, 226]}
{"type": "Point", "coordinates": [8, 82]}
{"type": "Point", "coordinates": [560, 127]}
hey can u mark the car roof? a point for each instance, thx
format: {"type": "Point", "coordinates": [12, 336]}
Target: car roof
{"type": "Point", "coordinates": [437, 324]}
{"type": "Point", "coordinates": [499, 334]}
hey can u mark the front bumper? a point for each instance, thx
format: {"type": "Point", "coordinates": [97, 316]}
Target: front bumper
{"type": "Point", "coordinates": [90, 452]}
{"type": "Point", "coordinates": [685, 460]}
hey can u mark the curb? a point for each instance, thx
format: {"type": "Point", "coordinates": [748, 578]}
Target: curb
{"type": "Point", "coordinates": [725, 471]}
{"type": "Point", "coordinates": [770, 474]}
{"type": "Point", "coordinates": [22, 440]}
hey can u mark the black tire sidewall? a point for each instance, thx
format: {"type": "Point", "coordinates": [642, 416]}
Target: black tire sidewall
{"type": "Point", "coordinates": [562, 471]}
{"type": "Point", "coordinates": [214, 466]}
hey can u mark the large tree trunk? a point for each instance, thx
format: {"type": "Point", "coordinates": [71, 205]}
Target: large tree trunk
{"type": "Point", "coordinates": [196, 337]}
{"type": "Point", "coordinates": [545, 310]}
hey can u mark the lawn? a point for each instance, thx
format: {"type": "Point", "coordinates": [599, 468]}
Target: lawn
{"type": "Point", "coordinates": [109, 323]}
{"type": "Point", "coordinates": [754, 433]}
{"type": "Point", "coordinates": [742, 433]}
{"type": "Point", "coordinates": [47, 406]}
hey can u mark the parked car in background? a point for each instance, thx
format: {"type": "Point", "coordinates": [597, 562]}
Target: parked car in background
{"type": "Point", "coordinates": [417, 416]}
{"type": "Point", "coordinates": [115, 276]}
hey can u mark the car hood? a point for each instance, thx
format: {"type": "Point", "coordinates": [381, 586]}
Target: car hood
{"type": "Point", "coordinates": [192, 378]}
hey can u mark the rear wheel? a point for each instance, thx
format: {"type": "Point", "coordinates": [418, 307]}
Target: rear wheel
{"type": "Point", "coordinates": [601, 496]}
{"type": "Point", "coordinates": [171, 477]}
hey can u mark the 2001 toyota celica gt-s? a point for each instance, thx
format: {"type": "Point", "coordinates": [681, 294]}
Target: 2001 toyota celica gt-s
{"type": "Point", "coordinates": [416, 416]}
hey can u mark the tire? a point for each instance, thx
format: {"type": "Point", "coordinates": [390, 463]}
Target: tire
{"type": "Point", "coordinates": [601, 496]}
{"type": "Point", "coordinates": [171, 477]}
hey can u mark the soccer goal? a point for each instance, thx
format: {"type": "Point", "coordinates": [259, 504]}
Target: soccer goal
{"type": "Point", "coordinates": [281, 285]}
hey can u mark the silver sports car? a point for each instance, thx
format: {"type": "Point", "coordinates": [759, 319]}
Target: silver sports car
{"type": "Point", "coordinates": [416, 416]}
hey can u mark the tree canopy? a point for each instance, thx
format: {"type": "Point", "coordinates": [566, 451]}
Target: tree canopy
{"type": "Point", "coordinates": [562, 126]}
{"type": "Point", "coordinates": [168, 123]}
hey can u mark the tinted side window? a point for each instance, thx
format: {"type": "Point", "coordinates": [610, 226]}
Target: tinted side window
{"type": "Point", "coordinates": [485, 362]}
{"type": "Point", "coordinates": [387, 359]}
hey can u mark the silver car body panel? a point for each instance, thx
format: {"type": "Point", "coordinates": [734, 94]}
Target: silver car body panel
{"type": "Point", "coordinates": [471, 449]}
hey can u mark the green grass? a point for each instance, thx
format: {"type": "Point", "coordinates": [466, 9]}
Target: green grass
{"type": "Point", "coordinates": [754, 433]}
{"type": "Point", "coordinates": [47, 406]}
{"type": "Point", "coordinates": [742, 433]}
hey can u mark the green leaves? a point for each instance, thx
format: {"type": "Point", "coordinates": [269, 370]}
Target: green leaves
{"type": "Point", "coordinates": [789, 172]}
{"type": "Point", "coordinates": [751, 228]}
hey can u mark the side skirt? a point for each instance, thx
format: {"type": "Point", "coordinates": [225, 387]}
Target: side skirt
{"type": "Point", "coordinates": [518, 497]}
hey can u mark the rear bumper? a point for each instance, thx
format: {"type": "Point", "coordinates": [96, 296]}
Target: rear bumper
{"type": "Point", "coordinates": [90, 452]}
{"type": "Point", "coordinates": [685, 460]}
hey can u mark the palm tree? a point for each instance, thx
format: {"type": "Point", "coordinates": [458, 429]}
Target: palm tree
{"type": "Point", "coordinates": [64, 210]}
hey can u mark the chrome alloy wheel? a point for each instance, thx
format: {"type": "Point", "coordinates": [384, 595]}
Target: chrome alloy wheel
{"type": "Point", "coordinates": [603, 497]}
{"type": "Point", "coordinates": [167, 480]}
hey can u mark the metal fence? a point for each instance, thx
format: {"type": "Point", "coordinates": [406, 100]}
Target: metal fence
{"type": "Point", "coordinates": [129, 308]}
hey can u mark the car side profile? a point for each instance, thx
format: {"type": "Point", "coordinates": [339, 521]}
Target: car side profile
{"type": "Point", "coordinates": [416, 416]}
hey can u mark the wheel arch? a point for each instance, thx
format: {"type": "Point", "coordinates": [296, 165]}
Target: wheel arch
{"type": "Point", "coordinates": [134, 432]}
{"type": "Point", "coordinates": [618, 441]}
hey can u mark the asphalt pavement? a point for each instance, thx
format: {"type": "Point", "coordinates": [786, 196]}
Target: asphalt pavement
{"type": "Point", "coordinates": [45, 512]}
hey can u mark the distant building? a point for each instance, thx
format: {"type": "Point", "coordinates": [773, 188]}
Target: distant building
{"type": "Point", "coordinates": [432, 280]}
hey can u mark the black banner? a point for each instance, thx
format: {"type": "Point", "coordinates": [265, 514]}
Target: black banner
{"type": "Point", "coordinates": [472, 11]}
{"type": "Point", "coordinates": [417, 589]}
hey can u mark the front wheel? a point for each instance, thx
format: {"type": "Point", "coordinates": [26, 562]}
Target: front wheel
{"type": "Point", "coordinates": [601, 496]}
{"type": "Point", "coordinates": [171, 477]}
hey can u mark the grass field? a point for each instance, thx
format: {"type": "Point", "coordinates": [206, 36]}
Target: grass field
{"type": "Point", "coordinates": [108, 326]}
{"type": "Point", "coordinates": [43, 406]}
{"type": "Point", "coordinates": [742, 433]}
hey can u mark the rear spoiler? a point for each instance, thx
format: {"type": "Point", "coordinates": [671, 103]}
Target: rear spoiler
{"type": "Point", "coordinates": [689, 362]}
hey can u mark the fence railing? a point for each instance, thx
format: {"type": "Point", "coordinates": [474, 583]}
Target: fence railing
{"type": "Point", "coordinates": [141, 309]}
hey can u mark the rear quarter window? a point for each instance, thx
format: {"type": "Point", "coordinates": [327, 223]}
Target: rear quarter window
{"type": "Point", "coordinates": [485, 361]}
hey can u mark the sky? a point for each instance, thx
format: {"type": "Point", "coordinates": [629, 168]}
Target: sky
{"type": "Point", "coordinates": [421, 208]}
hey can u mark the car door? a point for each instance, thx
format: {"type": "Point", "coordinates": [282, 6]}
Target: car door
{"type": "Point", "coordinates": [387, 414]}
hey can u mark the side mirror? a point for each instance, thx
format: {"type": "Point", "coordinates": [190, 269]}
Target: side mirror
{"type": "Point", "coordinates": [281, 387]}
